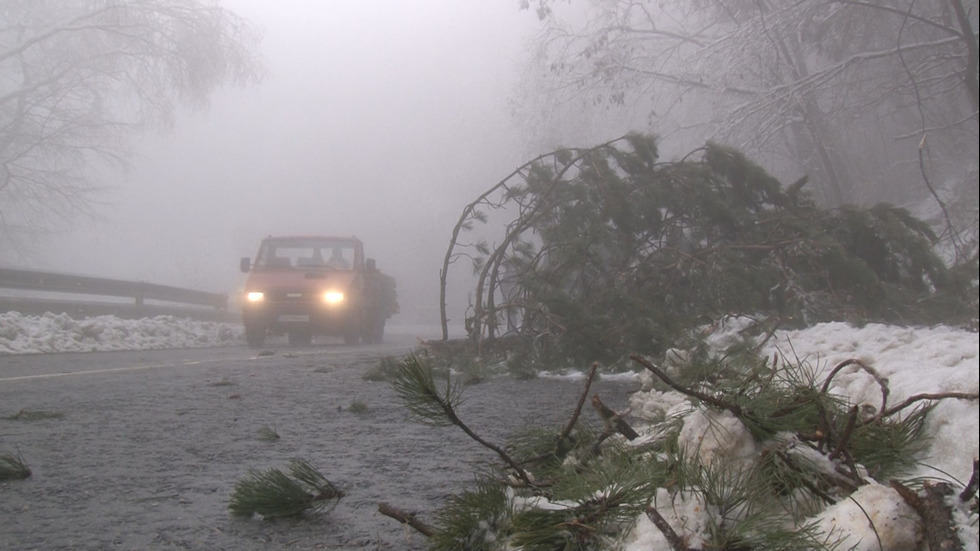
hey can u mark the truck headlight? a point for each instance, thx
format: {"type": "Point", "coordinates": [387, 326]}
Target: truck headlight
{"type": "Point", "coordinates": [255, 296]}
{"type": "Point", "coordinates": [333, 297]}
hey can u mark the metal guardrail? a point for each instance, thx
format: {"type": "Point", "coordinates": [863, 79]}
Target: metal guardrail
{"type": "Point", "coordinates": [182, 302]}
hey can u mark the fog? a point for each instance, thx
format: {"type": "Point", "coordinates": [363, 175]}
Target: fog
{"type": "Point", "coordinates": [379, 119]}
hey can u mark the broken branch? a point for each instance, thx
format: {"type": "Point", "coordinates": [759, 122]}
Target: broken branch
{"type": "Point", "coordinates": [581, 402]}
{"type": "Point", "coordinates": [408, 519]}
{"type": "Point", "coordinates": [706, 398]}
{"type": "Point", "coordinates": [933, 396]}
{"type": "Point", "coordinates": [613, 421]}
{"type": "Point", "coordinates": [971, 486]}
{"type": "Point", "coordinates": [675, 541]}
{"type": "Point", "coordinates": [882, 382]}
{"type": "Point", "coordinates": [937, 517]}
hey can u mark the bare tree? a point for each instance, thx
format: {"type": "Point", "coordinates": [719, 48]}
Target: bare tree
{"type": "Point", "coordinates": [79, 77]}
{"type": "Point", "coordinates": [844, 91]}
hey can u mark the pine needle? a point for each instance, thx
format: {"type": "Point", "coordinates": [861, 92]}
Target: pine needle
{"type": "Point", "coordinates": [415, 384]}
{"type": "Point", "coordinates": [890, 447]}
{"type": "Point", "coordinates": [267, 433]}
{"type": "Point", "coordinates": [274, 494]}
{"type": "Point", "coordinates": [29, 415]}
{"type": "Point", "coordinates": [474, 519]}
{"type": "Point", "coordinates": [13, 467]}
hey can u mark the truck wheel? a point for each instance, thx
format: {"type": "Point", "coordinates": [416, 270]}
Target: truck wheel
{"type": "Point", "coordinates": [254, 336]}
{"type": "Point", "coordinates": [300, 338]}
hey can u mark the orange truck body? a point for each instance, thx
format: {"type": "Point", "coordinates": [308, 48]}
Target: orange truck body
{"type": "Point", "coordinates": [308, 285]}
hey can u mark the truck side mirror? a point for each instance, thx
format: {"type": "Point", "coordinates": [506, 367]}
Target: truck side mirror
{"type": "Point", "coordinates": [245, 265]}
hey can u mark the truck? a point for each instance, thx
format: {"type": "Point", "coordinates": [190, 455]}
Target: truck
{"type": "Point", "coordinates": [302, 286]}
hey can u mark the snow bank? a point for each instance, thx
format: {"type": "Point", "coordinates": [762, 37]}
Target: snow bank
{"type": "Point", "coordinates": [50, 333]}
{"type": "Point", "coordinates": [912, 361]}
{"type": "Point", "coordinates": [873, 518]}
{"type": "Point", "coordinates": [908, 361]}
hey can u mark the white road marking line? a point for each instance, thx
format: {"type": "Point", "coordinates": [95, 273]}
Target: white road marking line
{"type": "Point", "coordinates": [107, 370]}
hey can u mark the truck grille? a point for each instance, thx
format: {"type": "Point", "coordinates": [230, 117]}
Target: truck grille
{"type": "Point", "coordinates": [289, 295]}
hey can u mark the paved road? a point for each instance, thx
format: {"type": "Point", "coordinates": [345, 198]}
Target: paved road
{"type": "Point", "coordinates": [81, 363]}
{"type": "Point", "coordinates": [145, 447]}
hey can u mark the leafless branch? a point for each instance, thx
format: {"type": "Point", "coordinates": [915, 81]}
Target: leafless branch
{"type": "Point", "coordinates": [675, 541]}
{"type": "Point", "coordinates": [408, 519]}
{"type": "Point", "coordinates": [82, 78]}
{"type": "Point", "coordinates": [581, 402]}
{"type": "Point", "coordinates": [971, 487]}
{"type": "Point", "coordinates": [882, 382]}
{"type": "Point", "coordinates": [614, 422]}
{"type": "Point", "coordinates": [928, 396]}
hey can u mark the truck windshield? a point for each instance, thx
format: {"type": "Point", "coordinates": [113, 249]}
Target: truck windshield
{"type": "Point", "coordinates": [305, 253]}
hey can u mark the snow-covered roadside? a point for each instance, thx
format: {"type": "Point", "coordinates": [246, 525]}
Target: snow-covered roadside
{"type": "Point", "coordinates": [20, 334]}
{"type": "Point", "coordinates": [52, 333]}
{"type": "Point", "coordinates": [913, 361]}
{"type": "Point", "coordinates": [910, 360]}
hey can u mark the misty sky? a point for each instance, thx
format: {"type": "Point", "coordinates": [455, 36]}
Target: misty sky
{"type": "Point", "coordinates": [377, 118]}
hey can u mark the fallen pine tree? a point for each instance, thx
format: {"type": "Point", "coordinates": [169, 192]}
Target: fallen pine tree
{"type": "Point", "coordinates": [590, 254]}
{"type": "Point", "coordinates": [755, 453]}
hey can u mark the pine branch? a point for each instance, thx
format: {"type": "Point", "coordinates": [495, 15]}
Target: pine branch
{"type": "Point", "coordinates": [408, 519]}
{"type": "Point", "coordinates": [584, 522]}
{"type": "Point", "coordinates": [13, 467]}
{"type": "Point", "coordinates": [477, 515]}
{"type": "Point", "coordinates": [937, 517]}
{"type": "Point", "coordinates": [889, 446]}
{"type": "Point", "coordinates": [803, 480]}
{"type": "Point", "coordinates": [267, 433]}
{"type": "Point", "coordinates": [830, 435]}
{"type": "Point", "coordinates": [675, 541]}
{"type": "Point", "coordinates": [768, 336]}
{"type": "Point", "coordinates": [842, 443]}
{"type": "Point", "coordinates": [933, 396]}
{"type": "Point", "coordinates": [415, 383]}
{"type": "Point", "coordinates": [971, 486]}
{"type": "Point", "coordinates": [882, 382]}
{"type": "Point", "coordinates": [275, 494]}
{"type": "Point", "coordinates": [613, 421]}
{"type": "Point", "coordinates": [416, 386]}
{"type": "Point", "coordinates": [581, 402]}
{"type": "Point", "coordinates": [706, 398]}
{"type": "Point", "coordinates": [559, 450]}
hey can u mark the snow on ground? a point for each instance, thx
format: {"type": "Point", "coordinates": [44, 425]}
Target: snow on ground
{"type": "Point", "coordinates": [911, 360]}
{"type": "Point", "coordinates": [20, 334]}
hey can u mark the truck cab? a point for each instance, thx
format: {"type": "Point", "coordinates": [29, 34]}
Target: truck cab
{"type": "Point", "coordinates": [303, 286]}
